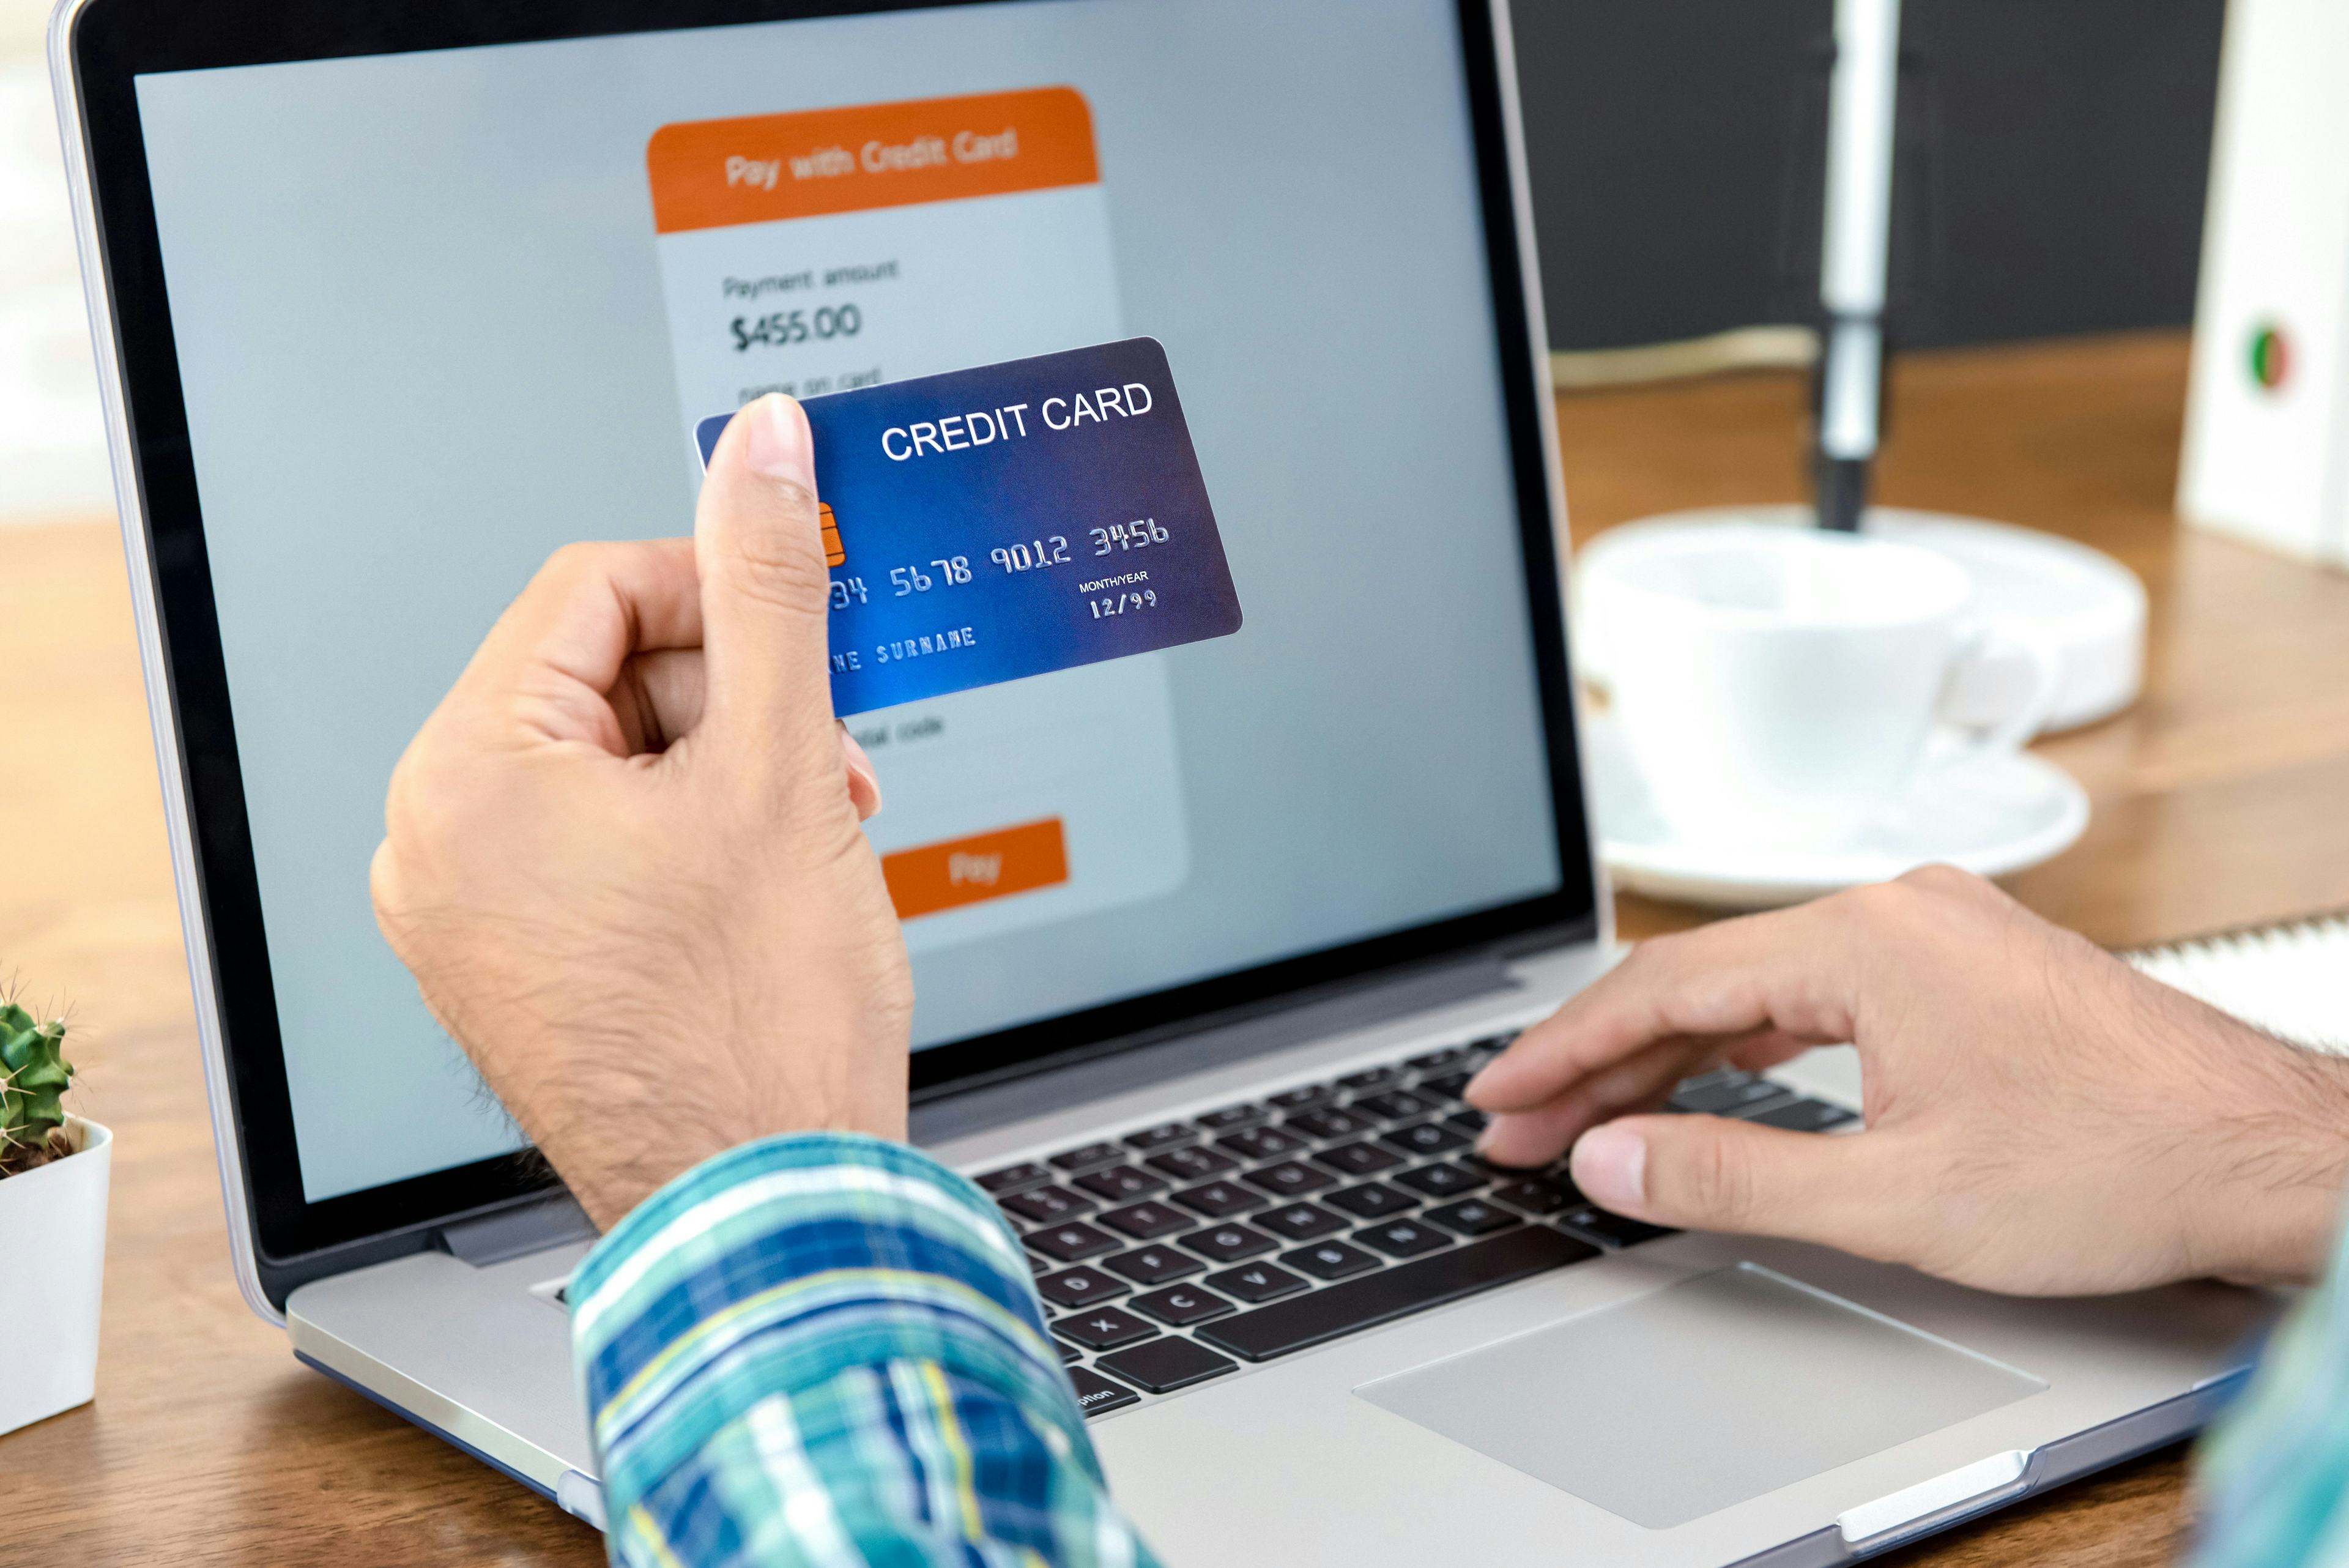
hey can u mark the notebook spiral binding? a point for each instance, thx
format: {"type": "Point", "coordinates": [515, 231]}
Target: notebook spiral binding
{"type": "Point", "coordinates": [2290, 979]}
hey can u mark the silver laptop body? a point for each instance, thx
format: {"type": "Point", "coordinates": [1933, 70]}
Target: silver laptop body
{"type": "Point", "coordinates": [1595, 1397]}
{"type": "Point", "coordinates": [1693, 1400]}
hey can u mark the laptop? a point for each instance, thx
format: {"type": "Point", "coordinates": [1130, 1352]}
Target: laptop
{"type": "Point", "coordinates": [391, 302]}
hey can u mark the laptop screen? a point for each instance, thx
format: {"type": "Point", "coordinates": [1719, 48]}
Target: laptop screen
{"type": "Point", "coordinates": [434, 317]}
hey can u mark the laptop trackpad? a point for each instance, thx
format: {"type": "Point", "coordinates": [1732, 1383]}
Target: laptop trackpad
{"type": "Point", "coordinates": [1705, 1394]}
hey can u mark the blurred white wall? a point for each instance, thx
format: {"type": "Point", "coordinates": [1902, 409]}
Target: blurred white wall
{"type": "Point", "coordinates": [52, 441]}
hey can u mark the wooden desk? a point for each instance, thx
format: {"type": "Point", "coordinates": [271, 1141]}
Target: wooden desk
{"type": "Point", "coordinates": [2217, 802]}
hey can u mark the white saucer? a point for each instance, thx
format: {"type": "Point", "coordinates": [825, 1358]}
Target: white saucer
{"type": "Point", "coordinates": [1994, 816]}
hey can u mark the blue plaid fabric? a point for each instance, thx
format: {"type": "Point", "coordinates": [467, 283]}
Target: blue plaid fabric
{"type": "Point", "coordinates": [2274, 1472]}
{"type": "Point", "coordinates": [825, 1349]}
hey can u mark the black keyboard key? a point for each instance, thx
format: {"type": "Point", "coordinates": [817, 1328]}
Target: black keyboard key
{"type": "Point", "coordinates": [1182, 1305]}
{"type": "Point", "coordinates": [1165, 1364]}
{"type": "Point", "coordinates": [1159, 1136]}
{"type": "Point", "coordinates": [1474, 1217]}
{"type": "Point", "coordinates": [1403, 1237]}
{"type": "Point", "coordinates": [1259, 1282]}
{"type": "Point", "coordinates": [1035, 1265]}
{"type": "Point", "coordinates": [1754, 1110]}
{"type": "Point", "coordinates": [1368, 1078]}
{"type": "Point", "coordinates": [1372, 1201]}
{"type": "Point", "coordinates": [1330, 1122]}
{"type": "Point", "coordinates": [1228, 1243]}
{"type": "Point", "coordinates": [1191, 1164]}
{"type": "Point", "coordinates": [1103, 1328]}
{"type": "Point", "coordinates": [1330, 1259]}
{"type": "Point", "coordinates": [1153, 1265]}
{"type": "Point", "coordinates": [1445, 1087]}
{"type": "Point", "coordinates": [1442, 1181]}
{"type": "Point", "coordinates": [1614, 1230]}
{"type": "Point", "coordinates": [1805, 1116]}
{"type": "Point", "coordinates": [1121, 1183]}
{"type": "Point", "coordinates": [1230, 1117]}
{"type": "Point", "coordinates": [1319, 1316]}
{"type": "Point", "coordinates": [1289, 1179]}
{"type": "Point", "coordinates": [1220, 1200]}
{"type": "Point", "coordinates": [1096, 1393]}
{"type": "Point", "coordinates": [1424, 1137]}
{"type": "Point", "coordinates": [1393, 1105]}
{"type": "Point", "coordinates": [1359, 1159]}
{"type": "Point", "coordinates": [1068, 1352]}
{"type": "Point", "coordinates": [1012, 1177]}
{"type": "Point", "coordinates": [1723, 1096]}
{"type": "Point", "coordinates": [1071, 1243]}
{"type": "Point", "coordinates": [1084, 1158]}
{"type": "Point", "coordinates": [1723, 1075]}
{"type": "Point", "coordinates": [1299, 1222]}
{"type": "Point", "coordinates": [1075, 1288]}
{"type": "Point", "coordinates": [1537, 1194]}
{"type": "Point", "coordinates": [1148, 1221]}
{"type": "Point", "coordinates": [1046, 1205]}
{"type": "Point", "coordinates": [1299, 1098]}
{"type": "Point", "coordinates": [1436, 1061]}
{"type": "Point", "coordinates": [1261, 1143]}
{"type": "Point", "coordinates": [1470, 1121]}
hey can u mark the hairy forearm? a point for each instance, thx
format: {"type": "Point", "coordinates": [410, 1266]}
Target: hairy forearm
{"type": "Point", "coordinates": [2272, 1163]}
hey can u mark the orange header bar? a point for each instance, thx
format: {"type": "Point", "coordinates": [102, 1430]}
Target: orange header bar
{"type": "Point", "coordinates": [709, 174]}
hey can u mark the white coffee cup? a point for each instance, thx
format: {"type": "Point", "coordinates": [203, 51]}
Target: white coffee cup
{"type": "Point", "coordinates": [1780, 686]}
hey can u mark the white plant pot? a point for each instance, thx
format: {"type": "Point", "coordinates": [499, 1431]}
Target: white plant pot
{"type": "Point", "coordinates": [56, 1217]}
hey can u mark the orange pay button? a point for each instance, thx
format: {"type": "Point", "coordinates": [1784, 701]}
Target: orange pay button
{"type": "Point", "coordinates": [712, 173]}
{"type": "Point", "coordinates": [929, 877]}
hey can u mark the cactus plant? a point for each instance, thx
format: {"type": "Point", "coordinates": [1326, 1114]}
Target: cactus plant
{"type": "Point", "coordinates": [33, 1073]}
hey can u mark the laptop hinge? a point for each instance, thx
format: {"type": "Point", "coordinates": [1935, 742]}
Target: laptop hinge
{"type": "Point", "coordinates": [516, 1232]}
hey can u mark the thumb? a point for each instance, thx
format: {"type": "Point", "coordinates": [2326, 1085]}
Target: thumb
{"type": "Point", "coordinates": [765, 591]}
{"type": "Point", "coordinates": [1711, 1173]}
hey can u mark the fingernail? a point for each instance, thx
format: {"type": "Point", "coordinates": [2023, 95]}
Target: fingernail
{"type": "Point", "coordinates": [1493, 1141]}
{"type": "Point", "coordinates": [780, 445]}
{"type": "Point", "coordinates": [858, 761]}
{"type": "Point", "coordinates": [1611, 1165]}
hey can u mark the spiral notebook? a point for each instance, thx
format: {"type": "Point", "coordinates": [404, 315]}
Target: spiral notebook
{"type": "Point", "coordinates": [2291, 980]}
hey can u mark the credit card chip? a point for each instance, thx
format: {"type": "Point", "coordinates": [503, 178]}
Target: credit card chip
{"type": "Point", "coordinates": [835, 554]}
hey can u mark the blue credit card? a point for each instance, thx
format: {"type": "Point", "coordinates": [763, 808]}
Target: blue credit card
{"type": "Point", "coordinates": [990, 524]}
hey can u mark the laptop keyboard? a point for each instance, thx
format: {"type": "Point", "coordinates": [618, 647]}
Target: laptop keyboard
{"type": "Point", "coordinates": [1172, 1254]}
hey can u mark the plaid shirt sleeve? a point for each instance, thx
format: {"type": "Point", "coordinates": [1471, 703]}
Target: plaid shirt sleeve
{"type": "Point", "coordinates": [2273, 1474]}
{"type": "Point", "coordinates": [825, 1348]}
